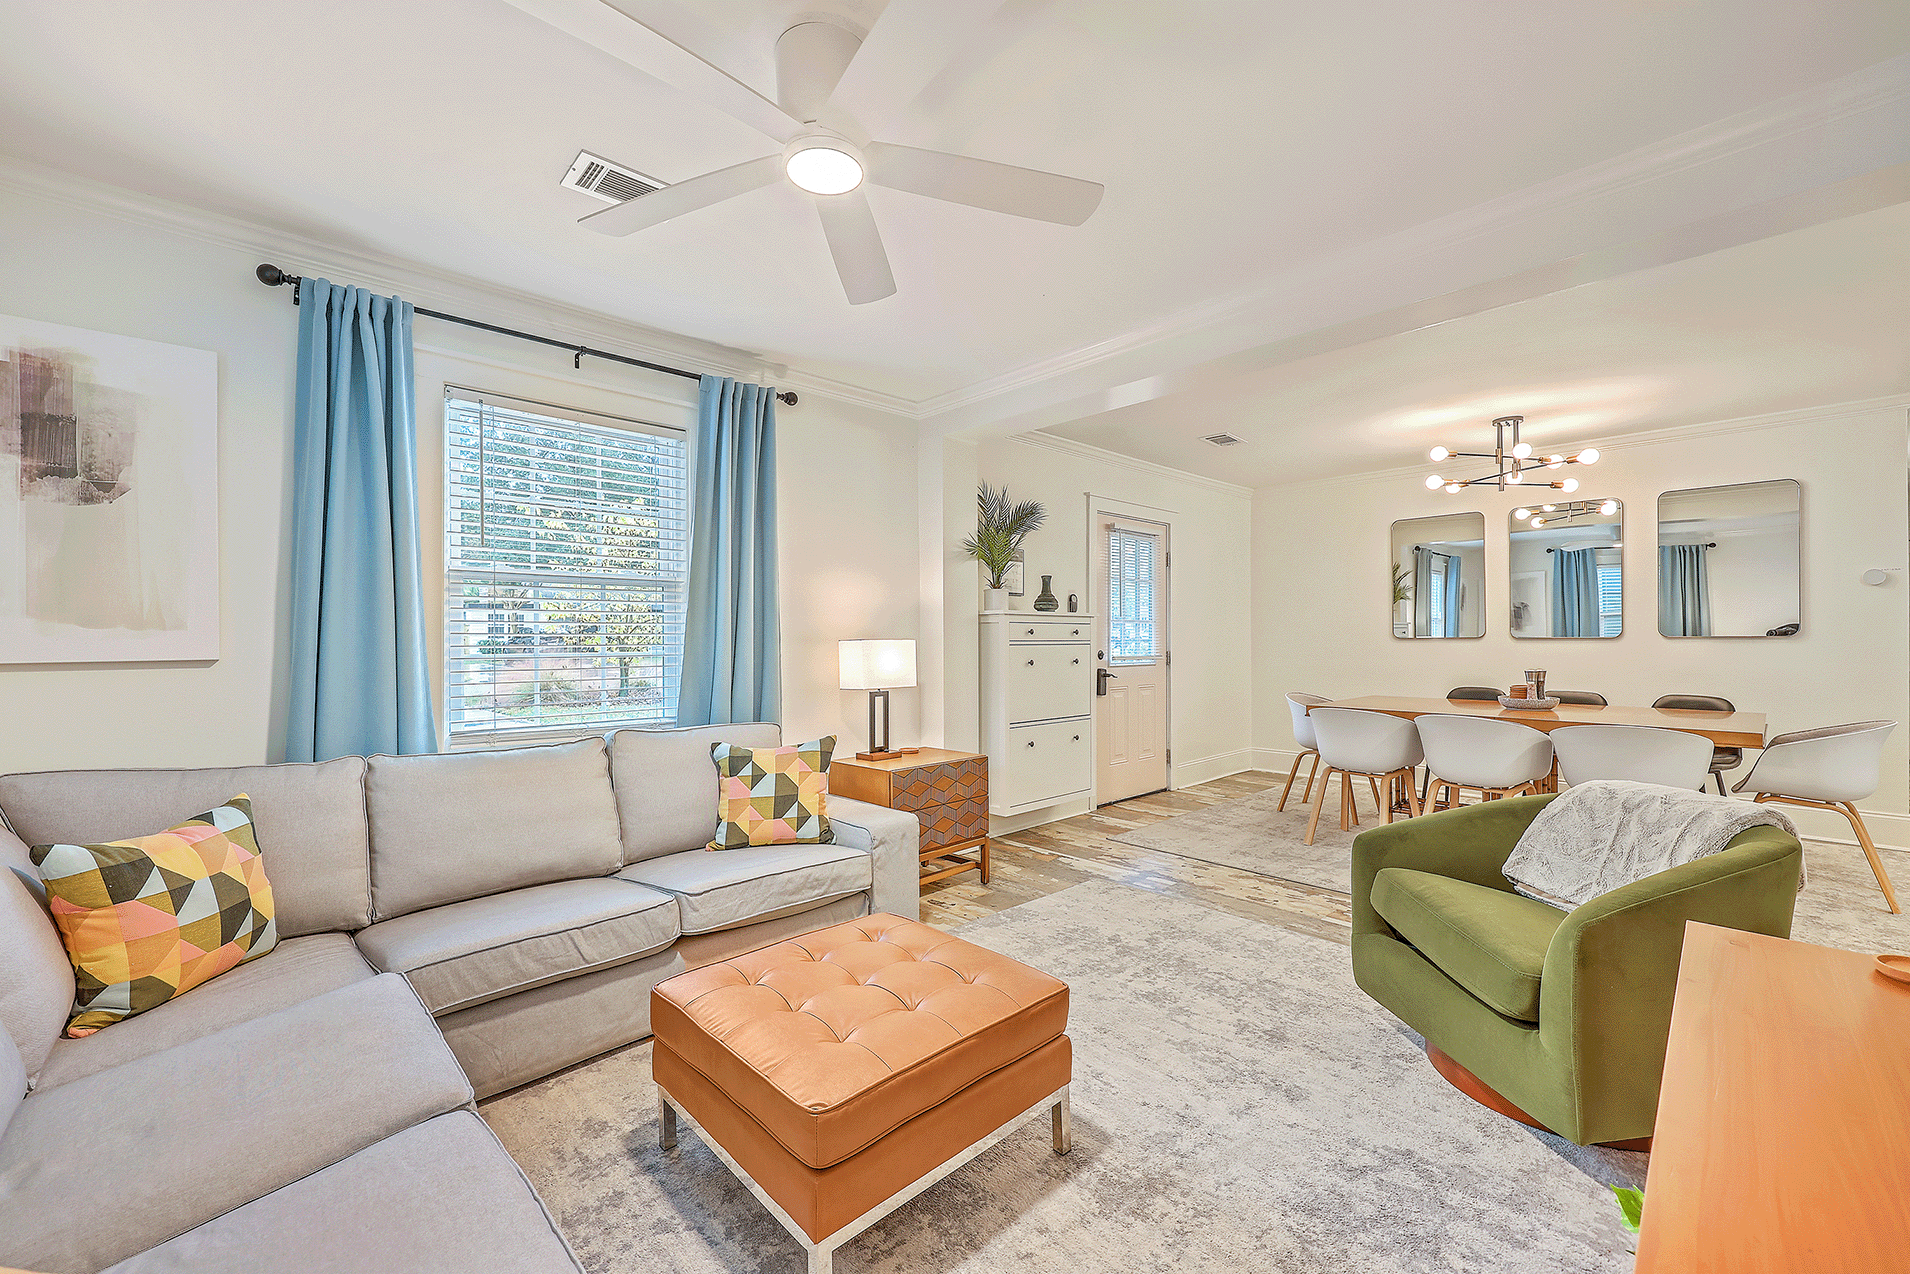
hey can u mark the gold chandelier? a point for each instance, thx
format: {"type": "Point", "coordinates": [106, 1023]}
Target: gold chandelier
{"type": "Point", "coordinates": [1512, 463]}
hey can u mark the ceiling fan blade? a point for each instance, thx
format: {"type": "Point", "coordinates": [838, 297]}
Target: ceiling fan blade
{"type": "Point", "coordinates": [660, 206]}
{"type": "Point", "coordinates": [849, 225]}
{"type": "Point", "coordinates": [597, 23]}
{"type": "Point", "coordinates": [911, 41]}
{"type": "Point", "coordinates": [982, 183]}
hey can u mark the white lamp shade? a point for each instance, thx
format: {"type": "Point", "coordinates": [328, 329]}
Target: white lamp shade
{"type": "Point", "coordinates": [880, 664]}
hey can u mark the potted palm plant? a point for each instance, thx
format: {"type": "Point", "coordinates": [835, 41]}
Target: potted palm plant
{"type": "Point", "coordinates": [1000, 526]}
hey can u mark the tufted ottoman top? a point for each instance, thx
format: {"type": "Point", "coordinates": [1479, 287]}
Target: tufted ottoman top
{"type": "Point", "coordinates": [836, 1038]}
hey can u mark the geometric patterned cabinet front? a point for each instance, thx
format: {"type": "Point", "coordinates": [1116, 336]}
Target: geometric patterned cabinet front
{"type": "Point", "coordinates": [947, 791]}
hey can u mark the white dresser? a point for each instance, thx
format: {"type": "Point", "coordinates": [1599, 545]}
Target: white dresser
{"type": "Point", "coordinates": [1037, 682]}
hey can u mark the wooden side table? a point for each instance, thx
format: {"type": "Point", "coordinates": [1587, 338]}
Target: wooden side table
{"type": "Point", "coordinates": [947, 791]}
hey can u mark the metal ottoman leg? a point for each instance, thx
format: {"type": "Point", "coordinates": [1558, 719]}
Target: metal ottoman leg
{"type": "Point", "coordinates": [1063, 1125]}
{"type": "Point", "coordinates": [666, 1122]}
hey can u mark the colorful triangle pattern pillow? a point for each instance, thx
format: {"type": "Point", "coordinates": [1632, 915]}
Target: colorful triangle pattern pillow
{"type": "Point", "coordinates": [149, 918]}
{"type": "Point", "coordinates": [772, 796]}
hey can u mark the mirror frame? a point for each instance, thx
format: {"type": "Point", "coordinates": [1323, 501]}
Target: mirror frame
{"type": "Point", "coordinates": [1485, 556]}
{"type": "Point", "coordinates": [1623, 578]}
{"type": "Point", "coordinates": [1658, 516]}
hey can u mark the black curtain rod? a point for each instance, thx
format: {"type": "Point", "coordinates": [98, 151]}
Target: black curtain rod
{"type": "Point", "coordinates": [272, 277]}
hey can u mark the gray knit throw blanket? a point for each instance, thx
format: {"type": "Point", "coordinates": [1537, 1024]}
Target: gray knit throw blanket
{"type": "Point", "coordinates": [1606, 833]}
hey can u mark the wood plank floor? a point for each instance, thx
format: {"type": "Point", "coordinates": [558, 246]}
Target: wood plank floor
{"type": "Point", "coordinates": [1046, 859]}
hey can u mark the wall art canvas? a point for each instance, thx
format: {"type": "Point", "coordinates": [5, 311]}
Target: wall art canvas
{"type": "Point", "coordinates": [109, 513]}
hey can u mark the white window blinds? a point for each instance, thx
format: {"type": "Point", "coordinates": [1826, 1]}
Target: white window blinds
{"type": "Point", "coordinates": [1133, 571]}
{"type": "Point", "coordinates": [1611, 599]}
{"type": "Point", "coordinates": [566, 557]}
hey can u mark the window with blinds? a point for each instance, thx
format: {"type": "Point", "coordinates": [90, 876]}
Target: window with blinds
{"type": "Point", "coordinates": [1133, 567]}
{"type": "Point", "coordinates": [566, 560]}
{"type": "Point", "coordinates": [1611, 600]}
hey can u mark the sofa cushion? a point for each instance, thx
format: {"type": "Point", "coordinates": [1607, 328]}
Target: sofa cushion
{"type": "Point", "coordinates": [13, 1080]}
{"type": "Point", "coordinates": [666, 786]}
{"type": "Point", "coordinates": [107, 1166]}
{"type": "Point", "coordinates": [297, 970]}
{"type": "Point", "coordinates": [739, 886]}
{"type": "Point", "coordinates": [36, 978]}
{"type": "Point", "coordinates": [772, 796]}
{"type": "Point", "coordinates": [461, 825]}
{"type": "Point", "coordinates": [1490, 941]}
{"type": "Point", "coordinates": [149, 918]}
{"type": "Point", "coordinates": [440, 1198]}
{"type": "Point", "coordinates": [310, 820]}
{"type": "Point", "coordinates": [468, 952]}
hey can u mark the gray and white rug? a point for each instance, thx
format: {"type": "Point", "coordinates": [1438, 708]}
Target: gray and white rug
{"type": "Point", "coordinates": [1238, 1104]}
{"type": "Point", "coordinates": [1251, 833]}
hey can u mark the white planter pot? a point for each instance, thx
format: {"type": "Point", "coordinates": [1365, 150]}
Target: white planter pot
{"type": "Point", "coordinates": [994, 599]}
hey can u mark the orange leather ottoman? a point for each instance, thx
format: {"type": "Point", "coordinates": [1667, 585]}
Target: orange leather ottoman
{"type": "Point", "coordinates": [842, 1073]}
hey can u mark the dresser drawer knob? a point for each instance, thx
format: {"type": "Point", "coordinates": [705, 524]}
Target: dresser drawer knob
{"type": "Point", "coordinates": [1031, 743]}
{"type": "Point", "coordinates": [1076, 661]}
{"type": "Point", "coordinates": [1031, 663]}
{"type": "Point", "coordinates": [1077, 738]}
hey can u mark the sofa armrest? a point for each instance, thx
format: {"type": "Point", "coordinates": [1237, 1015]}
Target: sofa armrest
{"type": "Point", "coordinates": [1611, 971]}
{"type": "Point", "coordinates": [1470, 843]}
{"type": "Point", "coordinates": [893, 838]}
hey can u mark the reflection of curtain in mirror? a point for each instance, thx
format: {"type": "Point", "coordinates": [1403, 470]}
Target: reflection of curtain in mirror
{"type": "Point", "coordinates": [1684, 590]}
{"type": "Point", "coordinates": [1435, 593]}
{"type": "Point", "coordinates": [1451, 595]}
{"type": "Point", "coordinates": [1575, 593]}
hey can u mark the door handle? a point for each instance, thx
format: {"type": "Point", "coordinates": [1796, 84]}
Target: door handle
{"type": "Point", "coordinates": [1101, 678]}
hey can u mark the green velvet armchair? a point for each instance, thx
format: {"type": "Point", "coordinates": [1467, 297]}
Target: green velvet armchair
{"type": "Point", "coordinates": [1562, 1015]}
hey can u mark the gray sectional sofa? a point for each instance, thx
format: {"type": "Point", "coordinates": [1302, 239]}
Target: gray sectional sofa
{"type": "Point", "coordinates": [450, 926]}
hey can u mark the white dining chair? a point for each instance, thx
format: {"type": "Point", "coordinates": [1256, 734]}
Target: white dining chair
{"type": "Point", "coordinates": [1826, 769]}
{"type": "Point", "coordinates": [1376, 746]}
{"type": "Point", "coordinates": [1298, 703]}
{"type": "Point", "coordinates": [1641, 753]}
{"type": "Point", "coordinates": [1492, 757]}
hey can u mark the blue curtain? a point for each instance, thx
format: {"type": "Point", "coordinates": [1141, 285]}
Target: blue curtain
{"type": "Point", "coordinates": [1684, 590]}
{"type": "Point", "coordinates": [359, 678]}
{"type": "Point", "coordinates": [1451, 597]}
{"type": "Point", "coordinates": [1575, 593]}
{"type": "Point", "coordinates": [732, 642]}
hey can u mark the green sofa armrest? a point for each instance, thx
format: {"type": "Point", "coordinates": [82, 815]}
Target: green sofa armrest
{"type": "Point", "coordinates": [1470, 843]}
{"type": "Point", "coordinates": [1612, 970]}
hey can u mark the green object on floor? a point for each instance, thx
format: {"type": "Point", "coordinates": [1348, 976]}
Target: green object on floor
{"type": "Point", "coordinates": [1632, 1203]}
{"type": "Point", "coordinates": [1441, 938]}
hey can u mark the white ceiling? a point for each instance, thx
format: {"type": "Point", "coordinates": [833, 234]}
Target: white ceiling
{"type": "Point", "coordinates": [1804, 319]}
{"type": "Point", "coordinates": [1239, 139]}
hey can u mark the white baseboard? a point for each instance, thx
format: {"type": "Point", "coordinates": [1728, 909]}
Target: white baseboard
{"type": "Point", "coordinates": [1889, 829]}
{"type": "Point", "coordinates": [1208, 768]}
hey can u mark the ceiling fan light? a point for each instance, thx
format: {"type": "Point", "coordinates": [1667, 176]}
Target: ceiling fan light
{"type": "Point", "coordinates": [823, 169]}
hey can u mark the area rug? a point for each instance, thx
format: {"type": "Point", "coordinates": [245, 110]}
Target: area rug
{"type": "Point", "coordinates": [1250, 833]}
{"type": "Point", "coordinates": [1238, 1105]}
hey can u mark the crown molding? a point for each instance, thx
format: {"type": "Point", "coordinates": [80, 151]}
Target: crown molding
{"type": "Point", "coordinates": [1880, 87]}
{"type": "Point", "coordinates": [1640, 438]}
{"type": "Point", "coordinates": [1088, 451]}
{"type": "Point", "coordinates": [422, 285]}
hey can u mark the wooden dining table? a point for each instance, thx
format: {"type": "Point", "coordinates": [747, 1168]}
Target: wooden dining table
{"type": "Point", "coordinates": [1724, 729]}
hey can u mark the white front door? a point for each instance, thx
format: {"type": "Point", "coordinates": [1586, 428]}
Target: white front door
{"type": "Point", "coordinates": [1131, 659]}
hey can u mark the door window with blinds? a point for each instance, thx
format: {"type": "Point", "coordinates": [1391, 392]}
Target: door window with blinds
{"type": "Point", "coordinates": [566, 559]}
{"type": "Point", "coordinates": [1133, 576]}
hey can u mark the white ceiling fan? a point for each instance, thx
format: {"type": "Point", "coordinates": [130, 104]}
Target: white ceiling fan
{"type": "Point", "coordinates": [834, 90]}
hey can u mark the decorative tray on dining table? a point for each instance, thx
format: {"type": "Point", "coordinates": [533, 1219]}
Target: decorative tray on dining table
{"type": "Point", "coordinates": [1533, 705]}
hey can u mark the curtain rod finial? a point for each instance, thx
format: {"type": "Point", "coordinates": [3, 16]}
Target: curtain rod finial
{"type": "Point", "coordinates": [787, 397]}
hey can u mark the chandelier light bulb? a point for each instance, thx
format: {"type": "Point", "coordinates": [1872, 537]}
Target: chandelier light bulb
{"type": "Point", "coordinates": [1588, 456]}
{"type": "Point", "coordinates": [1554, 462]}
{"type": "Point", "coordinates": [1438, 453]}
{"type": "Point", "coordinates": [1521, 449]}
{"type": "Point", "coordinates": [1515, 476]}
{"type": "Point", "coordinates": [1609, 507]}
{"type": "Point", "coordinates": [1549, 508]}
{"type": "Point", "coordinates": [1435, 482]}
{"type": "Point", "coordinates": [1537, 520]}
{"type": "Point", "coordinates": [1569, 485]}
{"type": "Point", "coordinates": [1452, 488]}
{"type": "Point", "coordinates": [1521, 515]}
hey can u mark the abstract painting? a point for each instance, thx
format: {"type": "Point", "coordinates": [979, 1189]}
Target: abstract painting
{"type": "Point", "coordinates": [109, 513]}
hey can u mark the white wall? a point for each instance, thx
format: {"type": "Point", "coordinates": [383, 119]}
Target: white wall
{"type": "Point", "coordinates": [1320, 595]}
{"type": "Point", "coordinates": [1210, 728]}
{"type": "Point", "coordinates": [846, 491]}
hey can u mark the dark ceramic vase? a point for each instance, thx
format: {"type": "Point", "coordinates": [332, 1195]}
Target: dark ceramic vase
{"type": "Point", "coordinates": [1047, 599]}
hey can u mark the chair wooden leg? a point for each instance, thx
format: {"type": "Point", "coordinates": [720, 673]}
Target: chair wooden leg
{"type": "Point", "coordinates": [1870, 852]}
{"type": "Point", "coordinates": [1374, 784]}
{"type": "Point", "coordinates": [1311, 770]}
{"type": "Point", "coordinates": [1349, 812]}
{"type": "Point", "coordinates": [1413, 802]}
{"type": "Point", "coordinates": [1389, 786]}
{"type": "Point", "coordinates": [1319, 802]}
{"type": "Point", "coordinates": [1292, 774]}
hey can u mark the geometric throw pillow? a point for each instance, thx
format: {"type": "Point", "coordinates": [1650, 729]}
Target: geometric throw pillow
{"type": "Point", "coordinates": [772, 796]}
{"type": "Point", "coordinates": [149, 918]}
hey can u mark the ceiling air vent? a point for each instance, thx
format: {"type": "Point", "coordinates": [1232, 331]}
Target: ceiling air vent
{"type": "Point", "coordinates": [1222, 440]}
{"type": "Point", "coordinates": [607, 180]}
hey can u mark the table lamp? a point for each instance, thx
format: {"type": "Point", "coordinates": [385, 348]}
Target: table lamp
{"type": "Point", "coordinates": [878, 666]}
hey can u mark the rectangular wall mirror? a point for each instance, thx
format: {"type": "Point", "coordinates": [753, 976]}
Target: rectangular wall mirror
{"type": "Point", "coordinates": [1728, 560]}
{"type": "Point", "coordinates": [1567, 566]}
{"type": "Point", "coordinates": [1439, 575]}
